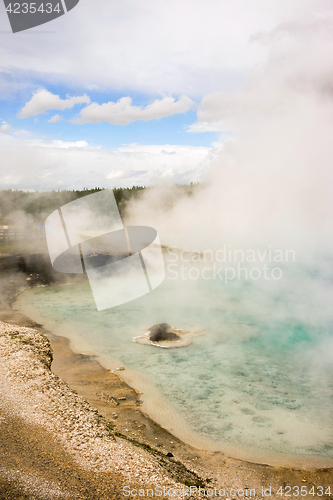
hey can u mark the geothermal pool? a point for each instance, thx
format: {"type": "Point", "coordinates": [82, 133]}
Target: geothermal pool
{"type": "Point", "coordinates": [258, 380]}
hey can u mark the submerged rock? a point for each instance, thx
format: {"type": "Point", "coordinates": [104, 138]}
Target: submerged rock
{"type": "Point", "coordinates": [166, 336]}
{"type": "Point", "coordinates": [162, 332]}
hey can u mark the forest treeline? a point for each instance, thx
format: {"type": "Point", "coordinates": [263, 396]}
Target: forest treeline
{"type": "Point", "coordinates": [39, 204]}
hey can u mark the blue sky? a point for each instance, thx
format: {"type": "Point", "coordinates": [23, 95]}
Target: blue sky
{"type": "Point", "coordinates": [168, 130]}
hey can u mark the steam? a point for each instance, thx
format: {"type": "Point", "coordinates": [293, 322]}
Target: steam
{"type": "Point", "coordinates": [270, 181]}
{"type": "Point", "coordinates": [270, 185]}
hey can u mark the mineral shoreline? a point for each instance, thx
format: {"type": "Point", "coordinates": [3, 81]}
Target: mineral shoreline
{"type": "Point", "coordinates": [87, 437]}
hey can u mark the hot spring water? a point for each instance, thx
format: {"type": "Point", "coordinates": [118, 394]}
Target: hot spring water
{"type": "Point", "coordinates": [259, 378]}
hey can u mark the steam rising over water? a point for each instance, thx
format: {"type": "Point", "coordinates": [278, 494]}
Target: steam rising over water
{"type": "Point", "coordinates": [261, 376]}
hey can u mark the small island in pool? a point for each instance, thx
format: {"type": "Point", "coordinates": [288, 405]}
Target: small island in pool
{"type": "Point", "coordinates": [166, 336]}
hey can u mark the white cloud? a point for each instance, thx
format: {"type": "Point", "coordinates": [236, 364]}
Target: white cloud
{"type": "Point", "coordinates": [43, 100]}
{"type": "Point", "coordinates": [40, 165]}
{"type": "Point", "coordinates": [5, 128]}
{"type": "Point", "coordinates": [203, 126]}
{"type": "Point", "coordinates": [115, 174]}
{"type": "Point", "coordinates": [56, 144]}
{"type": "Point", "coordinates": [190, 47]}
{"type": "Point", "coordinates": [169, 173]}
{"type": "Point", "coordinates": [122, 112]}
{"type": "Point", "coordinates": [55, 119]}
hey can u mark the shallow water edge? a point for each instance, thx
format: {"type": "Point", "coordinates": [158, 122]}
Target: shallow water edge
{"type": "Point", "coordinates": [160, 410]}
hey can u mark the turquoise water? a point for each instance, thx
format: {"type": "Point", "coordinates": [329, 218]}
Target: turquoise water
{"type": "Point", "coordinates": [260, 377]}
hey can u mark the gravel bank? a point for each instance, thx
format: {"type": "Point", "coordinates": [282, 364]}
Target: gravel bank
{"type": "Point", "coordinates": [30, 392]}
